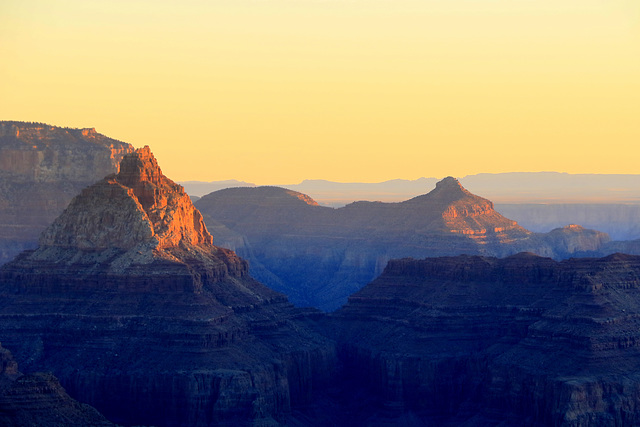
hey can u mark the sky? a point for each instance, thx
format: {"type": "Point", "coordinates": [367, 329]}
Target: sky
{"type": "Point", "coordinates": [277, 91]}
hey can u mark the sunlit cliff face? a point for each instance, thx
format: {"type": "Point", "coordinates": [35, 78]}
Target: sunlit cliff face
{"type": "Point", "coordinates": [137, 205]}
{"type": "Point", "coordinates": [43, 153]}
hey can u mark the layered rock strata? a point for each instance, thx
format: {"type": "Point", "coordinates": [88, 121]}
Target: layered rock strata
{"type": "Point", "coordinates": [319, 255]}
{"type": "Point", "coordinates": [39, 400]}
{"type": "Point", "coordinates": [523, 340]}
{"type": "Point", "coordinates": [42, 168]}
{"type": "Point", "coordinates": [130, 305]}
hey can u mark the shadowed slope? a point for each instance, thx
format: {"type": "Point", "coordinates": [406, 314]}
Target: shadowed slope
{"type": "Point", "coordinates": [39, 400]}
{"type": "Point", "coordinates": [484, 341]}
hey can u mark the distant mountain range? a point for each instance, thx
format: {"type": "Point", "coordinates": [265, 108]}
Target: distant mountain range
{"type": "Point", "coordinates": [539, 201]}
{"type": "Point", "coordinates": [513, 187]}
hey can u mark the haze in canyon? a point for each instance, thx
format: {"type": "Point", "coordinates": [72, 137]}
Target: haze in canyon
{"type": "Point", "coordinates": [408, 212]}
{"type": "Point", "coordinates": [130, 307]}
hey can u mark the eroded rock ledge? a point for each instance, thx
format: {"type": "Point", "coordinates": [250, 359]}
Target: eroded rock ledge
{"type": "Point", "coordinates": [484, 341]}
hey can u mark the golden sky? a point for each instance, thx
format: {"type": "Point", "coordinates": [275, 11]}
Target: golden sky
{"type": "Point", "coordinates": [276, 91]}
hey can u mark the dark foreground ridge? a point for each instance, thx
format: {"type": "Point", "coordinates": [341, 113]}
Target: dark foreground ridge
{"type": "Point", "coordinates": [38, 399]}
{"type": "Point", "coordinates": [523, 340]}
{"type": "Point", "coordinates": [130, 305]}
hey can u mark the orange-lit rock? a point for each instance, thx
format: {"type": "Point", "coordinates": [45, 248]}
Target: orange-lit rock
{"type": "Point", "coordinates": [468, 214]}
{"type": "Point", "coordinates": [41, 168]}
{"type": "Point", "coordinates": [139, 204]}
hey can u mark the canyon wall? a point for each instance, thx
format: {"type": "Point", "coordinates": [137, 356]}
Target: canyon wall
{"type": "Point", "coordinates": [38, 399]}
{"type": "Point", "coordinates": [482, 341]}
{"type": "Point", "coordinates": [42, 168]}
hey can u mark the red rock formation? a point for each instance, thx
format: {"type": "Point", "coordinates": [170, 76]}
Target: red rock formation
{"type": "Point", "coordinates": [128, 302]}
{"type": "Point", "coordinates": [148, 218]}
{"type": "Point", "coordinates": [464, 213]}
{"type": "Point", "coordinates": [157, 209]}
{"type": "Point", "coordinates": [41, 168]}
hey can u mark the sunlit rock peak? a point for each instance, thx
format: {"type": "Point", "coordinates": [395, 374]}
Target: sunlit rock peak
{"type": "Point", "coordinates": [447, 191]}
{"type": "Point", "coordinates": [138, 205]}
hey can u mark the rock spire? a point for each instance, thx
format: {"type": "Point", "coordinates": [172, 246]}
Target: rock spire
{"type": "Point", "coordinates": [139, 205]}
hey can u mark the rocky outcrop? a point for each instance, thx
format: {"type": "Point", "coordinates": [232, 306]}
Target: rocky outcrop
{"type": "Point", "coordinates": [130, 305]}
{"type": "Point", "coordinates": [319, 255]}
{"type": "Point", "coordinates": [570, 240]}
{"type": "Point", "coordinates": [474, 340]}
{"type": "Point", "coordinates": [619, 221]}
{"type": "Point", "coordinates": [41, 168]}
{"type": "Point", "coordinates": [36, 152]}
{"type": "Point", "coordinates": [143, 206]}
{"type": "Point", "coordinates": [39, 400]}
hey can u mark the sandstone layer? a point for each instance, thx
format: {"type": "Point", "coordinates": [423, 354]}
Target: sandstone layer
{"type": "Point", "coordinates": [473, 340]}
{"type": "Point", "coordinates": [319, 255]}
{"type": "Point", "coordinates": [130, 305]}
{"type": "Point", "coordinates": [42, 168]}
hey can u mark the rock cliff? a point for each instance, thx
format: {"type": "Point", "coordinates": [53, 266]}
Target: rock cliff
{"type": "Point", "coordinates": [130, 305]}
{"type": "Point", "coordinates": [473, 340]}
{"type": "Point", "coordinates": [619, 221]}
{"type": "Point", "coordinates": [39, 400]}
{"type": "Point", "coordinates": [319, 255]}
{"type": "Point", "coordinates": [41, 168]}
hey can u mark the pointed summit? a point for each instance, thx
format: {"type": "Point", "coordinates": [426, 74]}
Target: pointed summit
{"type": "Point", "coordinates": [459, 211]}
{"type": "Point", "coordinates": [450, 189]}
{"type": "Point", "coordinates": [140, 166]}
{"type": "Point", "coordinates": [132, 223]}
{"type": "Point", "coordinates": [449, 183]}
{"type": "Point", "coordinates": [138, 205]}
{"type": "Point", "coordinates": [174, 218]}
{"type": "Point", "coordinates": [447, 191]}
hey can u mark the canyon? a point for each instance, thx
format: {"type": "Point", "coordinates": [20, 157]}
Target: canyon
{"type": "Point", "coordinates": [128, 303]}
{"type": "Point", "coordinates": [129, 306]}
{"type": "Point", "coordinates": [319, 255]}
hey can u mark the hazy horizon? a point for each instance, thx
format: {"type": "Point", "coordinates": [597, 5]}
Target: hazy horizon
{"type": "Point", "coordinates": [401, 179]}
{"type": "Point", "coordinates": [282, 90]}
